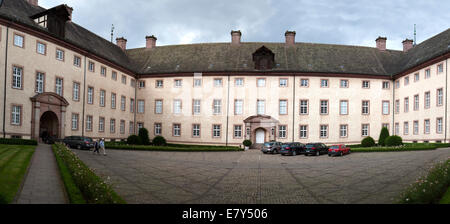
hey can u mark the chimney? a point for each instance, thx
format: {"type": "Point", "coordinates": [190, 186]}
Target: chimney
{"type": "Point", "coordinates": [151, 42]}
{"type": "Point", "coordinates": [381, 43]}
{"type": "Point", "coordinates": [407, 45]}
{"type": "Point", "coordinates": [290, 38]}
{"type": "Point", "coordinates": [236, 37]}
{"type": "Point", "coordinates": [122, 43]}
{"type": "Point", "coordinates": [33, 2]}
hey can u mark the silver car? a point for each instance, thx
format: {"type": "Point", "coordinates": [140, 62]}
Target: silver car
{"type": "Point", "coordinates": [271, 147]}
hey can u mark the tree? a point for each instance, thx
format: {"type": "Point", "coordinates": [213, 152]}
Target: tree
{"type": "Point", "coordinates": [143, 135]}
{"type": "Point", "coordinates": [383, 136]}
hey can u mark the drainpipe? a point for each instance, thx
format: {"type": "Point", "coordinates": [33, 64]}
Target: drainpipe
{"type": "Point", "coordinates": [135, 106]}
{"type": "Point", "coordinates": [394, 107]}
{"type": "Point", "coordinates": [446, 98]}
{"type": "Point", "coordinates": [228, 110]}
{"type": "Point", "coordinates": [84, 98]}
{"type": "Point", "coordinates": [4, 84]}
{"type": "Point", "coordinates": [293, 111]}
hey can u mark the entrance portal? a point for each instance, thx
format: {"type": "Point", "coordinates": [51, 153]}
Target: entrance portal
{"type": "Point", "coordinates": [49, 125]}
{"type": "Point", "coordinates": [260, 136]}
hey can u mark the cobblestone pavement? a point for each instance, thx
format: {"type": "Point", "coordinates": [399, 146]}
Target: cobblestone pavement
{"type": "Point", "coordinates": [253, 178]}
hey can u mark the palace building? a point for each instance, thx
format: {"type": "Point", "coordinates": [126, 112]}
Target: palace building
{"type": "Point", "coordinates": [61, 78]}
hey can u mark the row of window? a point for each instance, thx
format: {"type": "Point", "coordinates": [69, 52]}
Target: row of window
{"type": "Point", "coordinates": [427, 75]}
{"type": "Point", "coordinates": [416, 102]}
{"type": "Point", "coordinates": [102, 125]}
{"type": "Point", "coordinates": [261, 107]}
{"type": "Point", "coordinates": [416, 129]}
{"type": "Point", "coordinates": [261, 82]}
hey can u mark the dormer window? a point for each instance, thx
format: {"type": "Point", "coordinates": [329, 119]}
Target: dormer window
{"type": "Point", "coordinates": [264, 59]}
{"type": "Point", "coordinates": [41, 21]}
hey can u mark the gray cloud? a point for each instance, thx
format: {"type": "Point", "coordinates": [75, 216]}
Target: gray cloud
{"type": "Point", "coordinates": [319, 21]}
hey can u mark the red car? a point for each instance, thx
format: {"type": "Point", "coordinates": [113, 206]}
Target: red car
{"type": "Point", "coordinates": [339, 150]}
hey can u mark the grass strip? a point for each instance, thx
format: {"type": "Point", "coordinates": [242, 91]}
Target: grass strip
{"type": "Point", "coordinates": [73, 192]}
{"type": "Point", "coordinates": [13, 171]}
{"type": "Point", "coordinates": [446, 198]}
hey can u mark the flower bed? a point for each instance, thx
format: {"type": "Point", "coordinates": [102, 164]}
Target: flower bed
{"type": "Point", "coordinates": [92, 187]}
{"type": "Point", "coordinates": [429, 189]}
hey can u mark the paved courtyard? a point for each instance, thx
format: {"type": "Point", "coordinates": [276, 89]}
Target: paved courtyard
{"type": "Point", "coordinates": [253, 178]}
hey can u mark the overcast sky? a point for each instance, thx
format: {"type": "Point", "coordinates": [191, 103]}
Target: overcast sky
{"type": "Point", "coordinates": [318, 21]}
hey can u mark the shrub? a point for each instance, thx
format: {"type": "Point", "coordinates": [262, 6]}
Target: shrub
{"type": "Point", "coordinates": [10, 141]}
{"type": "Point", "coordinates": [134, 140]}
{"type": "Point", "coordinates": [383, 136]}
{"type": "Point", "coordinates": [143, 135]}
{"type": "Point", "coordinates": [368, 142]}
{"type": "Point", "coordinates": [159, 141]}
{"type": "Point", "coordinates": [3, 200]}
{"type": "Point", "coordinates": [394, 141]}
{"type": "Point", "coordinates": [247, 143]}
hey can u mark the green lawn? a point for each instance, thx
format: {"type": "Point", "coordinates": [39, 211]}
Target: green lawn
{"type": "Point", "coordinates": [14, 162]}
{"type": "Point", "coordinates": [446, 198]}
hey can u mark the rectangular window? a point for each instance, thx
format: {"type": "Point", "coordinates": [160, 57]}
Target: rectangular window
{"type": "Point", "coordinates": [158, 129]}
{"type": "Point", "coordinates": [416, 77]}
{"type": "Point", "coordinates": [344, 83]}
{"type": "Point", "coordinates": [124, 80]}
{"type": "Point", "coordinates": [132, 105]}
{"type": "Point", "coordinates": [303, 131]}
{"type": "Point", "coordinates": [397, 129]}
{"type": "Point", "coordinates": [59, 86]}
{"type": "Point", "coordinates": [177, 106]}
{"type": "Point", "coordinates": [365, 107]}
{"type": "Point", "coordinates": [427, 127]}
{"type": "Point", "coordinates": [141, 84]}
{"type": "Point", "coordinates": [178, 83]}
{"type": "Point", "coordinates": [123, 103]}
{"type": "Point", "coordinates": [304, 104]}
{"type": "Point", "coordinates": [397, 84]}
{"type": "Point", "coordinates": [112, 126]}
{"type": "Point", "coordinates": [91, 66]}
{"type": "Point", "coordinates": [440, 97]}
{"type": "Point", "coordinates": [440, 68]}
{"type": "Point", "coordinates": [122, 127]}
{"type": "Point", "coordinates": [238, 131]}
{"type": "Point", "coordinates": [386, 85]}
{"type": "Point", "coordinates": [217, 128]}
{"type": "Point", "coordinates": [114, 75]}
{"type": "Point", "coordinates": [343, 131]}
{"type": "Point", "coordinates": [90, 95]}
{"type": "Point", "coordinates": [218, 82]}
{"type": "Point", "coordinates": [406, 104]}
{"type": "Point", "coordinates": [74, 122]}
{"type": "Point", "coordinates": [366, 84]}
{"type": "Point", "coordinates": [17, 79]}
{"type": "Point", "coordinates": [239, 82]}
{"type": "Point", "coordinates": [283, 82]}
{"type": "Point", "coordinates": [324, 83]}
{"type": "Point", "coordinates": [238, 107]}
{"type": "Point", "coordinates": [261, 107]}
{"type": "Point", "coordinates": [406, 81]}
{"type": "Point", "coordinates": [406, 128]}
{"type": "Point", "coordinates": [133, 83]}
{"type": "Point", "coordinates": [324, 107]}
{"type": "Point", "coordinates": [40, 80]}
{"type": "Point", "coordinates": [159, 83]}
{"type": "Point", "coordinates": [217, 107]}
{"type": "Point", "coordinates": [195, 130]}
{"type": "Point", "coordinates": [18, 40]}
{"type": "Point", "coordinates": [197, 82]}
{"type": "Point", "coordinates": [158, 107]}
{"type": "Point", "coordinates": [140, 126]}
{"type": "Point", "coordinates": [113, 101]}
{"type": "Point", "coordinates": [416, 127]}
{"type": "Point", "coordinates": [386, 108]}
{"type": "Point", "coordinates": [77, 61]}
{"type": "Point", "coordinates": [323, 131]}
{"type": "Point", "coordinates": [397, 106]}
{"type": "Point", "coordinates": [76, 91]}
{"type": "Point", "coordinates": [304, 83]}
{"type": "Point", "coordinates": [102, 98]}
{"type": "Point", "coordinates": [261, 82]}
{"type": "Point", "coordinates": [365, 130]}
{"type": "Point", "coordinates": [41, 48]}
{"type": "Point", "coordinates": [344, 107]}
{"type": "Point", "coordinates": [177, 130]}
{"type": "Point", "coordinates": [196, 107]}
{"type": "Point", "coordinates": [16, 115]}
{"type": "Point", "coordinates": [59, 55]}
{"type": "Point", "coordinates": [439, 126]}
{"type": "Point", "coordinates": [427, 100]}
{"type": "Point", "coordinates": [101, 124]}
{"type": "Point", "coordinates": [88, 123]}
{"type": "Point", "coordinates": [282, 131]}
{"type": "Point", "coordinates": [103, 71]}
{"type": "Point", "coordinates": [283, 107]}
{"type": "Point", "coordinates": [131, 128]}
{"type": "Point", "coordinates": [427, 73]}
{"type": "Point", "coordinates": [416, 102]}
{"type": "Point", "coordinates": [141, 106]}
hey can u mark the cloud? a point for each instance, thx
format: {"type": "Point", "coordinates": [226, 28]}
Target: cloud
{"type": "Point", "coordinates": [319, 21]}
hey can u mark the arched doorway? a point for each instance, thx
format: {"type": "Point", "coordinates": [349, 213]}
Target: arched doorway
{"type": "Point", "coordinates": [260, 129]}
{"type": "Point", "coordinates": [49, 125]}
{"type": "Point", "coordinates": [260, 136]}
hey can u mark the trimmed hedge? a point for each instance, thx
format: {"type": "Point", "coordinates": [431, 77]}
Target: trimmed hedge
{"type": "Point", "coordinates": [429, 189]}
{"type": "Point", "coordinates": [159, 141]}
{"type": "Point", "coordinates": [174, 149]}
{"type": "Point", "coordinates": [134, 140]}
{"type": "Point", "coordinates": [368, 142]}
{"type": "Point", "coordinates": [10, 141]}
{"type": "Point", "coordinates": [396, 149]}
{"type": "Point", "coordinates": [93, 188]}
{"type": "Point", "coordinates": [394, 141]}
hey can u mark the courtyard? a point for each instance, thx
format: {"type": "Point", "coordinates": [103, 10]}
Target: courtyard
{"type": "Point", "coordinates": [253, 178]}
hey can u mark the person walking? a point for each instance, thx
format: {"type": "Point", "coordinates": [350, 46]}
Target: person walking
{"type": "Point", "coordinates": [96, 148]}
{"type": "Point", "coordinates": [102, 146]}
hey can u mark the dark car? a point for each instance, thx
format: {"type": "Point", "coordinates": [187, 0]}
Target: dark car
{"type": "Point", "coordinates": [316, 149]}
{"type": "Point", "coordinates": [271, 147]}
{"type": "Point", "coordinates": [79, 142]}
{"type": "Point", "coordinates": [292, 149]}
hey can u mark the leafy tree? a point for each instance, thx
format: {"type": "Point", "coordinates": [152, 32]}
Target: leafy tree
{"type": "Point", "coordinates": [247, 143]}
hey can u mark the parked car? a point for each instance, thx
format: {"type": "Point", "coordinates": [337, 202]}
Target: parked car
{"type": "Point", "coordinates": [340, 150]}
{"type": "Point", "coordinates": [79, 142]}
{"type": "Point", "coordinates": [292, 149]}
{"type": "Point", "coordinates": [316, 149]}
{"type": "Point", "coordinates": [271, 147]}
